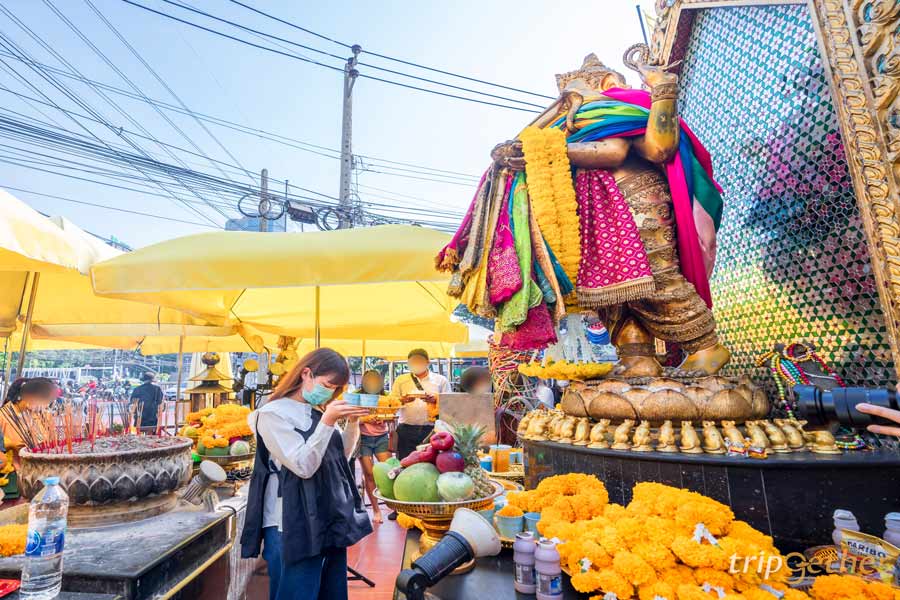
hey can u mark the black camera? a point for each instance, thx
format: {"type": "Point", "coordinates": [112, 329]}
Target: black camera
{"type": "Point", "coordinates": [824, 407]}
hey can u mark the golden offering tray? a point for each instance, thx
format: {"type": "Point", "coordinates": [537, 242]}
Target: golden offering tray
{"type": "Point", "coordinates": [435, 517]}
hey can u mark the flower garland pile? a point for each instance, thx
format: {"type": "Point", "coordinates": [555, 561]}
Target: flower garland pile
{"type": "Point", "coordinates": [12, 539]}
{"type": "Point", "coordinates": [667, 543]}
{"type": "Point", "coordinates": [226, 422]}
{"type": "Point", "coordinates": [849, 587]}
{"type": "Point", "coordinates": [552, 194]}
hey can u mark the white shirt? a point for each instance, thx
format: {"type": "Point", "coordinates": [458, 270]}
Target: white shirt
{"type": "Point", "coordinates": [545, 396]}
{"type": "Point", "coordinates": [416, 412]}
{"type": "Point", "coordinates": [275, 423]}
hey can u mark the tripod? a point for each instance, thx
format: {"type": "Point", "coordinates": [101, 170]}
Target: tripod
{"type": "Point", "coordinates": [354, 575]}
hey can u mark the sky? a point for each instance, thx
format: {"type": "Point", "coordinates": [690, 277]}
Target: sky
{"type": "Point", "coordinates": [521, 45]}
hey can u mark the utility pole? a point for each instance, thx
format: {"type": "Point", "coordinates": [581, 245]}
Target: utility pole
{"type": "Point", "coordinates": [350, 75]}
{"type": "Point", "coordinates": [263, 200]}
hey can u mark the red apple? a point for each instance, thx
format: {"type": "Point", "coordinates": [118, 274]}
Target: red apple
{"type": "Point", "coordinates": [450, 461]}
{"type": "Point", "coordinates": [442, 440]}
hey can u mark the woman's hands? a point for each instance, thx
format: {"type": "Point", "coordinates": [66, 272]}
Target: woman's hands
{"type": "Point", "coordinates": [339, 409]}
{"type": "Point", "coordinates": [884, 413]}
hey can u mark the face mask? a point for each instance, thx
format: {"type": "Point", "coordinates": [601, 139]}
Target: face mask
{"type": "Point", "coordinates": [318, 395]}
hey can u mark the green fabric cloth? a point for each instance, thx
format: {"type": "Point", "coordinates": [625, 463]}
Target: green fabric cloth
{"type": "Point", "coordinates": [514, 311]}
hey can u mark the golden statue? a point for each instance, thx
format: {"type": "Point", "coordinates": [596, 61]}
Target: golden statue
{"type": "Point", "coordinates": [690, 441]}
{"type": "Point", "coordinates": [641, 440]}
{"type": "Point", "coordinates": [795, 439]}
{"type": "Point", "coordinates": [598, 434]}
{"type": "Point", "coordinates": [522, 428]}
{"type": "Point", "coordinates": [733, 434]}
{"type": "Point", "coordinates": [666, 438]}
{"type": "Point", "coordinates": [669, 308]}
{"type": "Point", "coordinates": [758, 439]}
{"type": "Point", "coordinates": [622, 434]}
{"type": "Point", "coordinates": [712, 439]}
{"type": "Point", "coordinates": [824, 443]}
{"type": "Point", "coordinates": [776, 437]}
{"type": "Point", "coordinates": [567, 430]}
{"type": "Point", "coordinates": [539, 426]}
{"type": "Point", "coordinates": [582, 432]}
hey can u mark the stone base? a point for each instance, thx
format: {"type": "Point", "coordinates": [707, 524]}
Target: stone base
{"type": "Point", "coordinates": [788, 496]}
{"type": "Point", "coordinates": [657, 399]}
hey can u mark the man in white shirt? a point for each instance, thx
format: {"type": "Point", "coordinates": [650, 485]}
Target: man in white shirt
{"type": "Point", "coordinates": [417, 390]}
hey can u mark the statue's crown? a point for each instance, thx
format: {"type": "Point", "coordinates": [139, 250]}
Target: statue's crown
{"type": "Point", "coordinates": [593, 72]}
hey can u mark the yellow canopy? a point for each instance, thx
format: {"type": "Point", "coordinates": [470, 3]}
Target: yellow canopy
{"type": "Point", "coordinates": [65, 307]}
{"type": "Point", "coordinates": [371, 283]}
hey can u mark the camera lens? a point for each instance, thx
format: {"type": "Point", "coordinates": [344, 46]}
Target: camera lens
{"type": "Point", "coordinates": [824, 407]}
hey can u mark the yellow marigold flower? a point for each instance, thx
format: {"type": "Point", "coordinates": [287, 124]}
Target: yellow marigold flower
{"type": "Point", "coordinates": [633, 568]}
{"type": "Point", "coordinates": [662, 530]}
{"type": "Point", "coordinates": [12, 539]}
{"type": "Point", "coordinates": [630, 529]}
{"type": "Point", "coordinates": [610, 581]}
{"type": "Point", "coordinates": [614, 511]}
{"type": "Point", "coordinates": [714, 577]}
{"type": "Point", "coordinates": [790, 594]}
{"type": "Point", "coordinates": [611, 541]}
{"type": "Point", "coordinates": [407, 522]}
{"type": "Point", "coordinates": [211, 442]}
{"type": "Point", "coordinates": [879, 591]}
{"type": "Point", "coordinates": [677, 575]}
{"type": "Point", "coordinates": [655, 554]}
{"type": "Point", "coordinates": [716, 516]}
{"type": "Point", "coordinates": [510, 511]}
{"type": "Point", "coordinates": [691, 592]}
{"type": "Point", "coordinates": [658, 588]}
{"type": "Point", "coordinates": [743, 530]}
{"type": "Point", "coordinates": [699, 555]}
{"type": "Point", "coordinates": [586, 582]}
{"type": "Point", "coordinates": [838, 587]}
{"type": "Point", "coordinates": [596, 554]}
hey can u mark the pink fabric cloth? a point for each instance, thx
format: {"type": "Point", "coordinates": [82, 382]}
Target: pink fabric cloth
{"type": "Point", "coordinates": [449, 255]}
{"type": "Point", "coordinates": [696, 233]}
{"type": "Point", "coordinates": [614, 265]}
{"type": "Point", "coordinates": [536, 333]}
{"type": "Point", "coordinates": [504, 275]}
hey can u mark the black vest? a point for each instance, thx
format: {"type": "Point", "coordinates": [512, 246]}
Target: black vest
{"type": "Point", "coordinates": [324, 511]}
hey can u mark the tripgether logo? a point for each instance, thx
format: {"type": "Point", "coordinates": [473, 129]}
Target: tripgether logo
{"type": "Point", "coordinates": [801, 566]}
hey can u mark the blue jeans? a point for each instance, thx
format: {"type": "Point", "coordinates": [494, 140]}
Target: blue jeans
{"type": "Point", "coordinates": [323, 576]}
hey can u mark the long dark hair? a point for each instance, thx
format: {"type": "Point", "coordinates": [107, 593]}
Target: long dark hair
{"type": "Point", "coordinates": [27, 386]}
{"type": "Point", "coordinates": [323, 361]}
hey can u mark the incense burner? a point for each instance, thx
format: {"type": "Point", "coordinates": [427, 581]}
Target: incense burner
{"type": "Point", "coordinates": [123, 478]}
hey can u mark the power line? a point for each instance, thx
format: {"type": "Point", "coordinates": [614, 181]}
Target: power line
{"type": "Point", "coordinates": [106, 206]}
{"type": "Point", "coordinates": [321, 64]}
{"type": "Point", "coordinates": [385, 57]}
{"type": "Point", "coordinates": [225, 123]}
{"type": "Point", "coordinates": [329, 54]}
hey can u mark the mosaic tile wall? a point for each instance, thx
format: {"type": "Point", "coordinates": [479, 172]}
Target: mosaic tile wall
{"type": "Point", "coordinates": [792, 260]}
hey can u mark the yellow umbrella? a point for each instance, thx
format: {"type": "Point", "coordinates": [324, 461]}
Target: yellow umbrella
{"type": "Point", "coordinates": [43, 282]}
{"type": "Point", "coordinates": [372, 283]}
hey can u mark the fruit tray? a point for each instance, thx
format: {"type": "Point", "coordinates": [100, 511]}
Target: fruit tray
{"type": "Point", "coordinates": [429, 510]}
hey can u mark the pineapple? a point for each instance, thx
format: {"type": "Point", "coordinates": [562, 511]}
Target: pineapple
{"type": "Point", "coordinates": [468, 439]}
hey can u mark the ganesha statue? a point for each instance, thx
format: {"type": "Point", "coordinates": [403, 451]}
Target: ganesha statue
{"type": "Point", "coordinates": [605, 202]}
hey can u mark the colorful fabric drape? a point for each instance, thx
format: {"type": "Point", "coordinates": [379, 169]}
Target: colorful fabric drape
{"type": "Point", "coordinates": [504, 274]}
{"type": "Point", "coordinates": [448, 258]}
{"type": "Point", "coordinates": [537, 332]}
{"type": "Point", "coordinates": [696, 196]}
{"type": "Point", "coordinates": [475, 292]}
{"type": "Point", "coordinates": [515, 311]}
{"type": "Point", "coordinates": [614, 265]}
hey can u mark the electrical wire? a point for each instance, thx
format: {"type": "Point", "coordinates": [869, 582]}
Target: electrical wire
{"type": "Point", "coordinates": [321, 64]}
{"type": "Point", "coordinates": [287, 141]}
{"type": "Point", "coordinates": [385, 57]}
{"type": "Point", "coordinates": [104, 206]}
{"type": "Point", "coordinates": [337, 56]}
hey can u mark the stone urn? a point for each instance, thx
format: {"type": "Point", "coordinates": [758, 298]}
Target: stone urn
{"type": "Point", "coordinates": [124, 478]}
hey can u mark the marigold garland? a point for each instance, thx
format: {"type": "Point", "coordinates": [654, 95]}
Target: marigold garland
{"type": "Point", "coordinates": [648, 549]}
{"type": "Point", "coordinates": [12, 539]}
{"type": "Point", "coordinates": [553, 200]}
{"type": "Point", "coordinates": [510, 511]}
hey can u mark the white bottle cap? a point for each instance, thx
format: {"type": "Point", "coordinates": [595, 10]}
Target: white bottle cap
{"type": "Point", "coordinates": [893, 517]}
{"type": "Point", "coordinates": [843, 514]}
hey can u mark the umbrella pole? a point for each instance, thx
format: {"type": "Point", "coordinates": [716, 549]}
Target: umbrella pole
{"type": "Point", "coordinates": [318, 330]}
{"type": "Point", "coordinates": [7, 368]}
{"type": "Point", "coordinates": [35, 279]}
{"type": "Point", "coordinates": [178, 377]}
{"type": "Point", "coordinates": [362, 369]}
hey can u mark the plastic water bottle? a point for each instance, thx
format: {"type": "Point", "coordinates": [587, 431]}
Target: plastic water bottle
{"type": "Point", "coordinates": [42, 572]}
